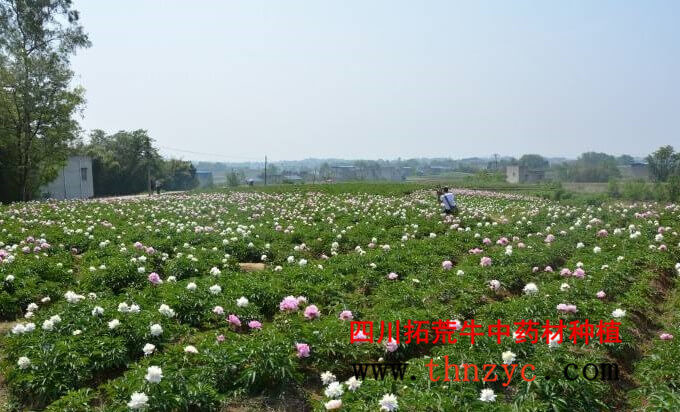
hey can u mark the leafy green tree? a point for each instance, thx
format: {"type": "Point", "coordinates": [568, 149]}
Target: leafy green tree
{"type": "Point", "coordinates": [179, 175]}
{"type": "Point", "coordinates": [534, 161]}
{"type": "Point", "coordinates": [663, 163]}
{"type": "Point", "coordinates": [625, 160]}
{"type": "Point", "coordinates": [325, 171]}
{"type": "Point", "coordinates": [119, 162]}
{"type": "Point", "coordinates": [233, 179]}
{"type": "Point", "coordinates": [37, 101]}
{"type": "Point", "coordinates": [590, 167]}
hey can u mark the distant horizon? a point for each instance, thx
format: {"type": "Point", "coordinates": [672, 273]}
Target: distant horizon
{"type": "Point", "coordinates": [384, 79]}
{"type": "Point", "coordinates": [316, 159]}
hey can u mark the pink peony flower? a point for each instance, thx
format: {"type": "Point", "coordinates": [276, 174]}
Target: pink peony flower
{"type": "Point", "coordinates": [220, 338]}
{"type": "Point", "coordinates": [565, 272]}
{"type": "Point", "coordinates": [289, 304]}
{"type": "Point", "coordinates": [475, 251]}
{"type": "Point", "coordinates": [346, 315]}
{"type": "Point", "coordinates": [550, 238]}
{"type": "Point", "coordinates": [602, 233]}
{"type": "Point", "coordinates": [486, 241]}
{"type": "Point", "coordinates": [312, 312]}
{"type": "Point", "coordinates": [567, 308]}
{"type": "Point", "coordinates": [502, 241]}
{"type": "Point", "coordinates": [485, 261]}
{"type": "Point", "coordinates": [666, 336]}
{"type": "Point", "coordinates": [390, 345]}
{"type": "Point", "coordinates": [447, 265]}
{"type": "Point", "coordinates": [154, 278]}
{"type": "Point", "coordinates": [302, 350]}
{"type": "Point", "coordinates": [253, 324]}
{"type": "Point", "coordinates": [548, 269]}
{"type": "Point", "coordinates": [392, 276]}
{"type": "Point", "coordinates": [218, 310]}
{"type": "Point", "coordinates": [601, 294]}
{"type": "Point", "coordinates": [579, 273]}
{"type": "Point", "coordinates": [234, 320]}
{"type": "Point", "coordinates": [139, 245]}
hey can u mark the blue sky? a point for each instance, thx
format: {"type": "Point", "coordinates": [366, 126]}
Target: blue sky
{"type": "Point", "coordinates": [236, 80]}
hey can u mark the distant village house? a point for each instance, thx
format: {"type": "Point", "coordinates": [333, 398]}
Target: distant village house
{"type": "Point", "coordinates": [522, 174]}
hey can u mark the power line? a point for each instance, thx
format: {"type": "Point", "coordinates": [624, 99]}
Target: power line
{"type": "Point", "coordinates": [210, 154]}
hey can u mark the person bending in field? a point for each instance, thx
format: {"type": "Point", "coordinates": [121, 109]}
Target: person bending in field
{"type": "Point", "coordinates": [448, 201]}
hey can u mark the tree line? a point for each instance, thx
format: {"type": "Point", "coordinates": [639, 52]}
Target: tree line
{"type": "Point", "coordinates": [39, 105]}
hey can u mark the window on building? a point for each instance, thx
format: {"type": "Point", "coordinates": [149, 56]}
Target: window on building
{"type": "Point", "coordinates": [83, 173]}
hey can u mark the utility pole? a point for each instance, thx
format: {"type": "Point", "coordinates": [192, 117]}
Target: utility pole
{"type": "Point", "coordinates": [265, 170]}
{"type": "Point", "coordinates": [148, 164]}
{"type": "Point", "coordinates": [495, 155]}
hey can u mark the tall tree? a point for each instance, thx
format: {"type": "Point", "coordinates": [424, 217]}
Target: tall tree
{"type": "Point", "coordinates": [663, 163]}
{"type": "Point", "coordinates": [121, 161]}
{"type": "Point", "coordinates": [534, 161]}
{"type": "Point", "coordinates": [37, 39]}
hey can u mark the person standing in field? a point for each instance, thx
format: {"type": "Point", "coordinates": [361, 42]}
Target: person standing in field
{"type": "Point", "coordinates": [448, 201]}
{"type": "Point", "coordinates": [158, 186]}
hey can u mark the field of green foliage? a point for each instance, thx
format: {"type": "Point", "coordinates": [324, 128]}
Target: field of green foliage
{"type": "Point", "coordinates": [142, 303]}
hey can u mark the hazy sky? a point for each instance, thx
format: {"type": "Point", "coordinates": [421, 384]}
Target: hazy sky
{"type": "Point", "coordinates": [384, 79]}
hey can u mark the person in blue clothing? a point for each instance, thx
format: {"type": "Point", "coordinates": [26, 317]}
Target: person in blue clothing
{"type": "Point", "coordinates": [448, 201]}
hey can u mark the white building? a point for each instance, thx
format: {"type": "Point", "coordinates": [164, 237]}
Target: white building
{"type": "Point", "coordinates": [74, 180]}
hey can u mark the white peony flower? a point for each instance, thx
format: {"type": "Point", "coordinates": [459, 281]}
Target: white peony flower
{"type": "Point", "coordinates": [72, 297]}
{"type": "Point", "coordinates": [114, 324]}
{"type": "Point", "coordinates": [530, 288]}
{"type": "Point", "coordinates": [619, 313]}
{"type": "Point", "coordinates": [334, 390]}
{"type": "Point", "coordinates": [166, 311]}
{"type": "Point", "coordinates": [149, 348]}
{"type": "Point", "coordinates": [327, 377]}
{"type": "Point", "coordinates": [154, 374]}
{"type": "Point", "coordinates": [190, 349]}
{"type": "Point", "coordinates": [138, 400]}
{"type": "Point", "coordinates": [215, 289]}
{"type": "Point", "coordinates": [333, 404]}
{"type": "Point", "coordinates": [388, 403]}
{"type": "Point", "coordinates": [487, 395]}
{"type": "Point", "coordinates": [97, 311]}
{"type": "Point", "coordinates": [48, 325]}
{"type": "Point", "coordinates": [353, 383]}
{"type": "Point", "coordinates": [191, 286]}
{"type": "Point", "coordinates": [508, 357]}
{"type": "Point", "coordinates": [156, 329]}
{"type": "Point", "coordinates": [24, 362]}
